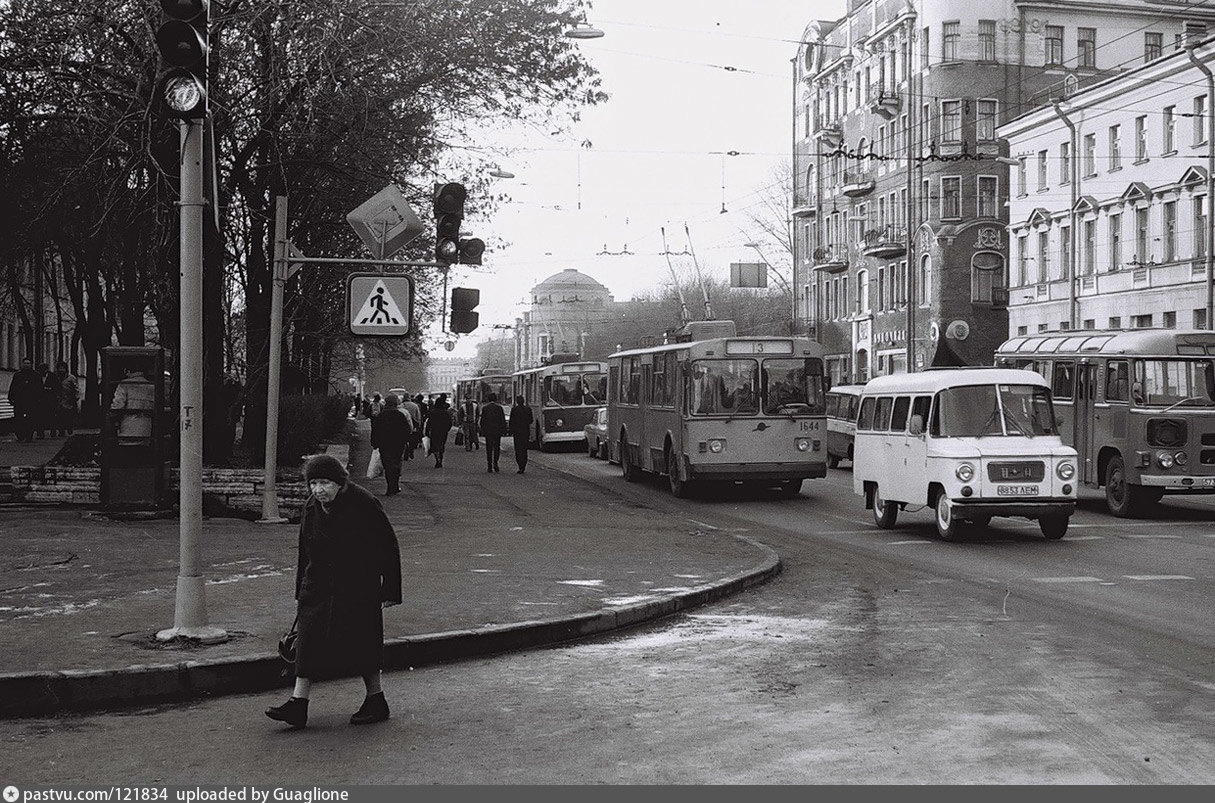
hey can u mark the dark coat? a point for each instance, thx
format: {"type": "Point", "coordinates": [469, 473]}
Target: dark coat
{"type": "Point", "coordinates": [438, 424]}
{"type": "Point", "coordinates": [349, 562]}
{"type": "Point", "coordinates": [390, 432]}
{"type": "Point", "coordinates": [25, 390]}
{"type": "Point", "coordinates": [521, 420]}
{"type": "Point", "coordinates": [493, 420]}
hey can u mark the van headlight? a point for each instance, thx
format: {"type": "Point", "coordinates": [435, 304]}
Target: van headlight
{"type": "Point", "coordinates": [1065, 471]}
{"type": "Point", "coordinates": [965, 472]}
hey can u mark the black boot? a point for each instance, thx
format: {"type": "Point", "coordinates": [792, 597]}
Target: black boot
{"type": "Point", "coordinates": [373, 709]}
{"type": "Point", "coordinates": [294, 712]}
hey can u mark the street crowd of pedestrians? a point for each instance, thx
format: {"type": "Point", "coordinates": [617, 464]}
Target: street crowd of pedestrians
{"type": "Point", "coordinates": [45, 403]}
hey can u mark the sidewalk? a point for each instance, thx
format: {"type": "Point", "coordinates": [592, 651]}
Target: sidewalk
{"type": "Point", "coordinates": [490, 563]}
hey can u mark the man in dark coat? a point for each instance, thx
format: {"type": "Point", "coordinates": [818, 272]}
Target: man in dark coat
{"type": "Point", "coordinates": [349, 571]}
{"type": "Point", "coordinates": [438, 424]}
{"type": "Point", "coordinates": [390, 433]}
{"type": "Point", "coordinates": [493, 427]}
{"type": "Point", "coordinates": [520, 426]}
{"type": "Point", "coordinates": [24, 393]}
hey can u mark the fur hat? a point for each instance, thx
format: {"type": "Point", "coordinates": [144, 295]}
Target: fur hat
{"type": "Point", "coordinates": [325, 467]}
{"type": "Point", "coordinates": [391, 400]}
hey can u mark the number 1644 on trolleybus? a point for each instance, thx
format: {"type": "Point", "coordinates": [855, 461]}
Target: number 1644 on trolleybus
{"type": "Point", "coordinates": [727, 409]}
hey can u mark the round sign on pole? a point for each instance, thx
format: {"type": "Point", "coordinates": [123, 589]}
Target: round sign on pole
{"type": "Point", "coordinates": [449, 345]}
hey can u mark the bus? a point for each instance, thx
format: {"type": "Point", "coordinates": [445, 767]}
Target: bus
{"type": "Point", "coordinates": [1138, 406]}
{"type": "Point", "coordinates": [479, 387]}
{"type": "Point", "coordinates": [842, 403]}
{"type": "Point", "coordinates": [563, 397]}
{"type": "Point", "coordinates": [729, 409]}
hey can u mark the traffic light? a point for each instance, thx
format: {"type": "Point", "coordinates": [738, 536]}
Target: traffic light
{"type": "Point", "coordinates": [471, 250]}
{"type": "Point", "coordinates": [181, 89]}
{"type": "Point", "coordinates": [449, 211]}
{"type": "Point", "coordinates": [464, 302]}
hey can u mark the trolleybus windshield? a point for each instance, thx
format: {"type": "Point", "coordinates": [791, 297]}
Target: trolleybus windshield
{"type": "Point", "coordinates": [738, 387]}
{"type": "Point", "coordinates": [572, 390]}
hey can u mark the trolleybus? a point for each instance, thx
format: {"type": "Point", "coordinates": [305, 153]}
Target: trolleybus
{"type": "Point", "coordinates": [747, 409]}
{"type": "Point", "coordinates": [479, 387]}
{"type": "Point", "coordinates": [1138, 405]}
{"type": "Point", "coordinates": [563, 397]}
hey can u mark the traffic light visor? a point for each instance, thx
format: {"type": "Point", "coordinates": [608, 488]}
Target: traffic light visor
{"type": "Point", "coordinates": [449, 199]}
{"type": "Point", "coordinates": [471, 251]}
{"type": "Point", "coordinates": [465, 298]}
{"type": "Point", "coordinates": [184, 9]}
{"type": "Point", "coordinates": [180, 44]}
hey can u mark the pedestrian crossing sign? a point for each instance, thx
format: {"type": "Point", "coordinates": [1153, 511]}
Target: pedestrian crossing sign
{"type": "Point", "coordinates": [379, 304]}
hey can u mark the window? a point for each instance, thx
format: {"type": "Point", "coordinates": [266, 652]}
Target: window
{"type": "Point", "coordinates": [925, 200]}
{"type": "Point", "coordinates": [1090, 155]}
{"type": "Point", "coordinates": [1090, 247]}
{"type": "Point", "coordinates": [925, 273]}
{"type": "Point", "coordinates": [1115, 322]}
{"type": "Point", "coordinates": [1170, 320]}
{"type": "Point", "coordinates": [1054, 45]}
{"type": "Point", "coordinates": [1023, 260]}
{"type": "Point", "coordinates": [988, 187]}
{"type": "Point", "coordinates": [1153, 45]}
{"type": "Point", "coordinates": [1141, 235]}
{"type": "Point", "coordinates": [1141, 144]}
{"type": "Point", "coordinates": [1200, 120]}
{"type": "Point", "coordinates": [951, 120]}
{"type": "Point", "coordinates": [1043, 256]}
{"type": "Point", "coordinates": [862, 291]}
{"type": "Point", "coordinates": [987, 276]}
{"type": "Point", "coordinates": [986, 119]}
{"type": "Point", "coordinates": [1141, 321]}
{"type": "Point", "coordinates": [1021, 188]}
{"type": "Point", "coordinates": [953, 35]}
{"type": "Point", "coordinates": [1086, 47]}
{"type": "Point", "coordinates": [1041, 171]}
{"type": "Point", "coordinates": [1200, 318]}
{"type": "Point", "coordinates": [1170, 231]}
{"type": "Point", "coordinates": [1064, 379]}
{"type": "Point", "coordinates": [1065, 251]}
{"type": "Point", "coordinates": [1115, 242]}
{"type": "Point", "coordinates": [951, 197]}
{"type": "Point", "coordinates": [881, 288]}
{"type": "Point", "coordinates": [1169, 129]}
{"type": "Point", "coordinates": [1090, 323]}
{"type": "Point", "coordinates": [987, 40]}
{"type": "Point", "coordinates": [1200, 226]}
{"type": "Point", "coordinates": [924, 48]}
{"type": "Point", "coordinates": [1117, 382]}
{"type": "Point", "coordinates": [1115, 149]}
{"type": "Point", "coordinates": [1065, 163]}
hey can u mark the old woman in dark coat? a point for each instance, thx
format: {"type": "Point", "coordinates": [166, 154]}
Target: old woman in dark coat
{"type": "Point", "coordinates": [349, 570]}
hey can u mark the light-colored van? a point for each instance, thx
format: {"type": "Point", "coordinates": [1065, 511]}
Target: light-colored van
{"type": "Point", "coordinates": [969, 443]}
{"type": "Point", "coordinates": [843, 401]}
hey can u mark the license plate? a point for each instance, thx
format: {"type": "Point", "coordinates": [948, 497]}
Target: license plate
{"type": "Point", "coordinates": [1208, 482]}
{"type": "Point", "coordinates": [1016, 490]}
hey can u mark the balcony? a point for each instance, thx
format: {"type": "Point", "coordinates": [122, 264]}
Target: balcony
{"type": "Point", "coordinates": [886, 104]}
{"type": "Point", "coordinates": [885, 243]}
{"type": "Point", "coordinates": [857, 183]}
{"type": "Point", "coordinates": [829, 135]}
{"type": "Point", "coordinates": [831, 258]}
{"type": "Point", "coordinates": [804, 206]}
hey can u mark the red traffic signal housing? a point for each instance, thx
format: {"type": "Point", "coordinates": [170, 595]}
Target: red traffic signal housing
{"type": "Point", "coordinates": [183, 41]}
{"type": "Point", "coordinates": [449, 212]}
{"type": "Point", "coordinates": [464, 301]}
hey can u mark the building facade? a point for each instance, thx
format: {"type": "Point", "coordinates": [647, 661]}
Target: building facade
{"type": "Point", "coordinates": [565, 307]}
{"type": "Point", "coordinates": [1112, 229]}
{"type": "Point", "coordinates": [901, 178]}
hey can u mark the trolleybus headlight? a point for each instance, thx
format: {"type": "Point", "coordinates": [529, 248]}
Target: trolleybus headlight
{"type": "Point", "coordinates": [1164, 459]}
{"type": "Point", "coordinates": [1182, 458]}
{"type": "Point", "coordinates": [560, 422]}
{"type": "Point", "coordinates": [717, 445]}
{"type": "Point", "coordinates": [803, 444]}
{"type": "Point", "coordinates": [965, 472]}
{"type": "Point", "coordinates": [1065, 471]}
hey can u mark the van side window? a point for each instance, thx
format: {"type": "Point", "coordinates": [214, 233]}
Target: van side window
{"type": "Point", "coordinates": [920, 406]}
{"type": "Point", "coordinates": [865, 419]}
{"type": "Point", "coordinates": [1064, 379]}
{"type": "Point", "coordinates": [881, 418]}
{"type": "Point", "coordinates": [898, 422]}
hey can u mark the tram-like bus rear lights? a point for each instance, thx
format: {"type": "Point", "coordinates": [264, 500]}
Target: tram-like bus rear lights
{"type": "Point", "coordinates": [1065, 471]}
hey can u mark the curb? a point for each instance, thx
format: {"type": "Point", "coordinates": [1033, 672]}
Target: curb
{"type": "Point", "coordinates": [47, 693]}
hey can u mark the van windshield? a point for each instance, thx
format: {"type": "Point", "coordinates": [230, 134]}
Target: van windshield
{"type": "Point", "coordinates": [978, 411]}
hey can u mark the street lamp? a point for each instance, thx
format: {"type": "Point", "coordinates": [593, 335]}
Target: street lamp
{"type": "Point", "coordinates": [498, 172]}
{"type": "Point", "coordinates": [583, 30]}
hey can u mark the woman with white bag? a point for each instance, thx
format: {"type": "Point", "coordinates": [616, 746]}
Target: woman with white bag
{"type": "Point", "coordinates": [390, 432]}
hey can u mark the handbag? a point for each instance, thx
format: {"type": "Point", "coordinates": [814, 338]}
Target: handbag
{"type": "Point", "coordinates": [426, 443]}
{"type": "Point", "coordinates": [459, 438]}
{"type": "Point", "coordinates": [286, 644]}
{"type": "Point", "coordinates": [375, 466]}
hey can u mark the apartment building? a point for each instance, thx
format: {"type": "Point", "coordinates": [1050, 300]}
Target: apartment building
{"type": "Point", "coordinates": [1116, 232]}
{"type": "Point", "coordinates": [901, 176]}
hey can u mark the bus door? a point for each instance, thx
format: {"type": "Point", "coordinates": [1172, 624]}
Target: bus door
{"type": "Point", "coordinates": [1083, 420]}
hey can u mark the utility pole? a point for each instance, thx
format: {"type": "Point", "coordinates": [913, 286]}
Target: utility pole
{"type": "Point", "coordinates": [270, 512]}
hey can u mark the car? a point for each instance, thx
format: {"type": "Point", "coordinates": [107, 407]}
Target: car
{"type": "Point", "coordinates": [596, 434]}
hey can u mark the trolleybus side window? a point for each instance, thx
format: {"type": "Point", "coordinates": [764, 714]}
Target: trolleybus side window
{"type": "Point", "coordinates": [632, 389]}
{"type": "Point", "coordinates": [724, 386]}
{"type": "Point", "coordinates": [793, 385]}
{"type": "Point", "coordinates": [1064, 379]}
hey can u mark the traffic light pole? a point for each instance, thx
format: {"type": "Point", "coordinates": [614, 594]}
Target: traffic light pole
{"type": "Point", "coordinates": [270, 513]}
{"type": "Point", "coordinates": [190, 616]}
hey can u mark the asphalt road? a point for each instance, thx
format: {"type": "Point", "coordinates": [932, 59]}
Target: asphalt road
{"type": "Point", "coordinates": [875, 657]}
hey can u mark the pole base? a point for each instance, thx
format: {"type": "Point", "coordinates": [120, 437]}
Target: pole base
{"type": "Point", "coordinates": [273, 520]}
{"type": "Point", "coordinates": [206, 634]}
{"type": "Point", "coordinates": [190, 616]}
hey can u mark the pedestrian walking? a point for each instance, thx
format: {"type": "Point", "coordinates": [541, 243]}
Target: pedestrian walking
{"type": "Point", "coordinates": [468, 423]}
{"type": "Point", "coordinates": [520, 427]}
{"type": "Point", "coordinates": [438, 424]}
{"type": "Point", "coordinates": [66, 400]}
{"type": "Point", "coordinates": [48, 401]}
{"type": "Point", "coordinates": [349, 571]}
{"type": "Point", "coordinates": [493, 427]}
{"type": "Point", "coordinates": [24, 393]}
{"type": "Point", "coordinates": [415, 434]}
{"type": "Point", "coordinates": [390, 433]}
{"type": "Point", "coordinates": [377, 404]}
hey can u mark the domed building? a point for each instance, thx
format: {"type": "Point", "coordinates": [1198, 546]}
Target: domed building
{"type": "Point", "coordinates": [564, 307]}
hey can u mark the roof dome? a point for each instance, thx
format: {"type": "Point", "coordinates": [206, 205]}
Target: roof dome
{"type": "Point", "coordinates": [568, 279]}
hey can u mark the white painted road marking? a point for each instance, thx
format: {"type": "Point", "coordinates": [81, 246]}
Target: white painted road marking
{"type": "Point", "coordinates": [1066, 579]}
{"type": "Point", "coordinates": [1157, 577]}
{"type": "Point", "coordinates": [917, 541]}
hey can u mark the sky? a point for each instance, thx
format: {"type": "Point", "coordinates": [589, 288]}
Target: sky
{"type": "Point", "coordinates": [656, 157]}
